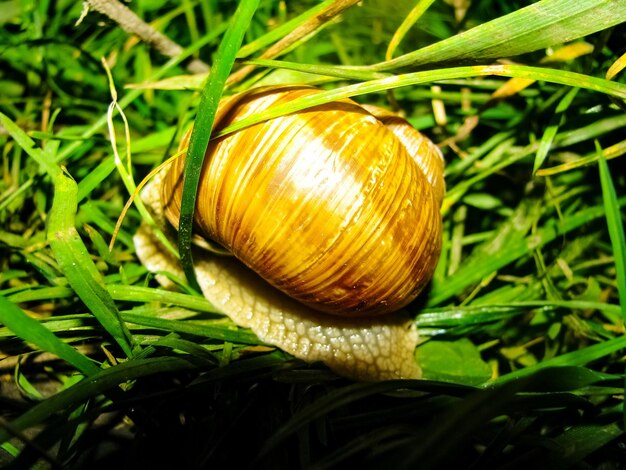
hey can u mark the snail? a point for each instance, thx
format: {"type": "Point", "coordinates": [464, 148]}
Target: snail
{"type": "Point", "coordinates": [332, 215]}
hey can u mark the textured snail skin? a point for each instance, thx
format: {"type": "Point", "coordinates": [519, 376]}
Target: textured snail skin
{"type": "Point", "coordinates": [337, 206]}
{"type": "Point", "coordinates": [378, 348]}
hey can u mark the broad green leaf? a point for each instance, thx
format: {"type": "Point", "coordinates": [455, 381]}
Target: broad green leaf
{"type": "Point", "coordinates": [453, 361]}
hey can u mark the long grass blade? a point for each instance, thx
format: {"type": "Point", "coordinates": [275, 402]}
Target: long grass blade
{"type": "Point", "coordinates": [472, 273]}
{"type": "Point", "coordinates": [95, 385]}
{"type": "Point", "coordinates": [380, 85]}
{"type": "Point", "coordinates": [616, 233]}
{"type": "Point", "coordinates": [31, 331]}
{"type": "Point", "coordinates": [548, 136]}
{"type": "Point", "coordinates": [581, 357]}
{"type": "Point", "coordinates": [68, 248]}
{"type": "Point", "coordinates": [77, 265]}
{"type": "Point", "coordinates": [615, 226]}
{"type": "Point", "coordinates": [408, 22]}
{"type": "Point", "coordinates": [201, 133]}
{"type": "Point", "coordinates": [534, 27]}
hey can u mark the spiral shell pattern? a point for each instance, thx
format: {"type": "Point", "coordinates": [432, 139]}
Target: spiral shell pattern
{"type": "Point", "coordinates": [337, 205]}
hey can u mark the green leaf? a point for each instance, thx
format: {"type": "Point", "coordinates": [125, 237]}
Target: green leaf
{"type": "Point", "coordinates": [453, 361]}
{"type": "Point", "coordinates": [534, 27]}
{"type": "Point", "coordinates": [31, 331]}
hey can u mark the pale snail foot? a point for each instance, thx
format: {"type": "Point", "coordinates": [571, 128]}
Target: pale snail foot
{"type": "Point", "coordinates": [378, 348]}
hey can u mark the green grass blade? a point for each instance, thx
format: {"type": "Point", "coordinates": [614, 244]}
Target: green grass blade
{"type": "Point", "coordinates": [408, 22]}
{"type": "Point", "coordinates": [68, 248]}
{"type": "Point", "coordinates": [77, 265]}
{"type": "Point", "coordinates": [149, 294]}
{"type": "Point", "coordinates": [320, 69]}
{"type": "Point", "coordinates": [472, 273]}
{"type": "Point", "coordinates": [351, 393]}
{"type": "Point", "coordinates": [72, 148]}
{"type": "Point", "coordinates": [476, 314]}
{"type": "Point", "coordinates": [209, 101]}
{"type": "Point", "coordinates": [575, 444]}
{"type": "Point", "coordinates": [29, 146]}
{"type": "Point", "coordinates": [95, 177]}
{"type": "Point", "coordinates": [282, 30]}
{"type": "Point", "coordinates": [217, 332]}
{"type": "Point", "coordinates": [581, 357]}
{"type": "Point", "coordinates": [615, 227]}
{"type": "Point", "coordinates": [380, 85]}
{"type": "Point", "coordinates": [31, 331]}
{"type": "Point", "coordinates": [95, 385]}
{"type": "Point", "coordinates": [541, 25]}
{"type": "Point", "coordinates": [550, 133]}
{"type": "Point", "coordinates": [616, 232]}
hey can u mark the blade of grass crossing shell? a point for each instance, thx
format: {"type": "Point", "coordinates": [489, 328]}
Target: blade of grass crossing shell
{"type": "Point", "coordinates": [67, 246]}
{"type": "Point", "coordinates": [561, 77]}
{"type": "Point", "coordinates": [209, 100]}
{"type": "Point", "coordinates": [31, 331]}
{"type": "Point", "coordinates": [616, 233]}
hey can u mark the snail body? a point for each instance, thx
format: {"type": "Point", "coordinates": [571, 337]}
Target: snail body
{"type": "Point", "coordinates": [337, 206]}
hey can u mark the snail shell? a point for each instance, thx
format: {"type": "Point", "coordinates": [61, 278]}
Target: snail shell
{"type": "Point", "coordinates": [337, 206]}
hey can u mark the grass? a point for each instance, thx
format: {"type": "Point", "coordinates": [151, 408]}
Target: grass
{"type": "Point", "coordinates": [522, 326]}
